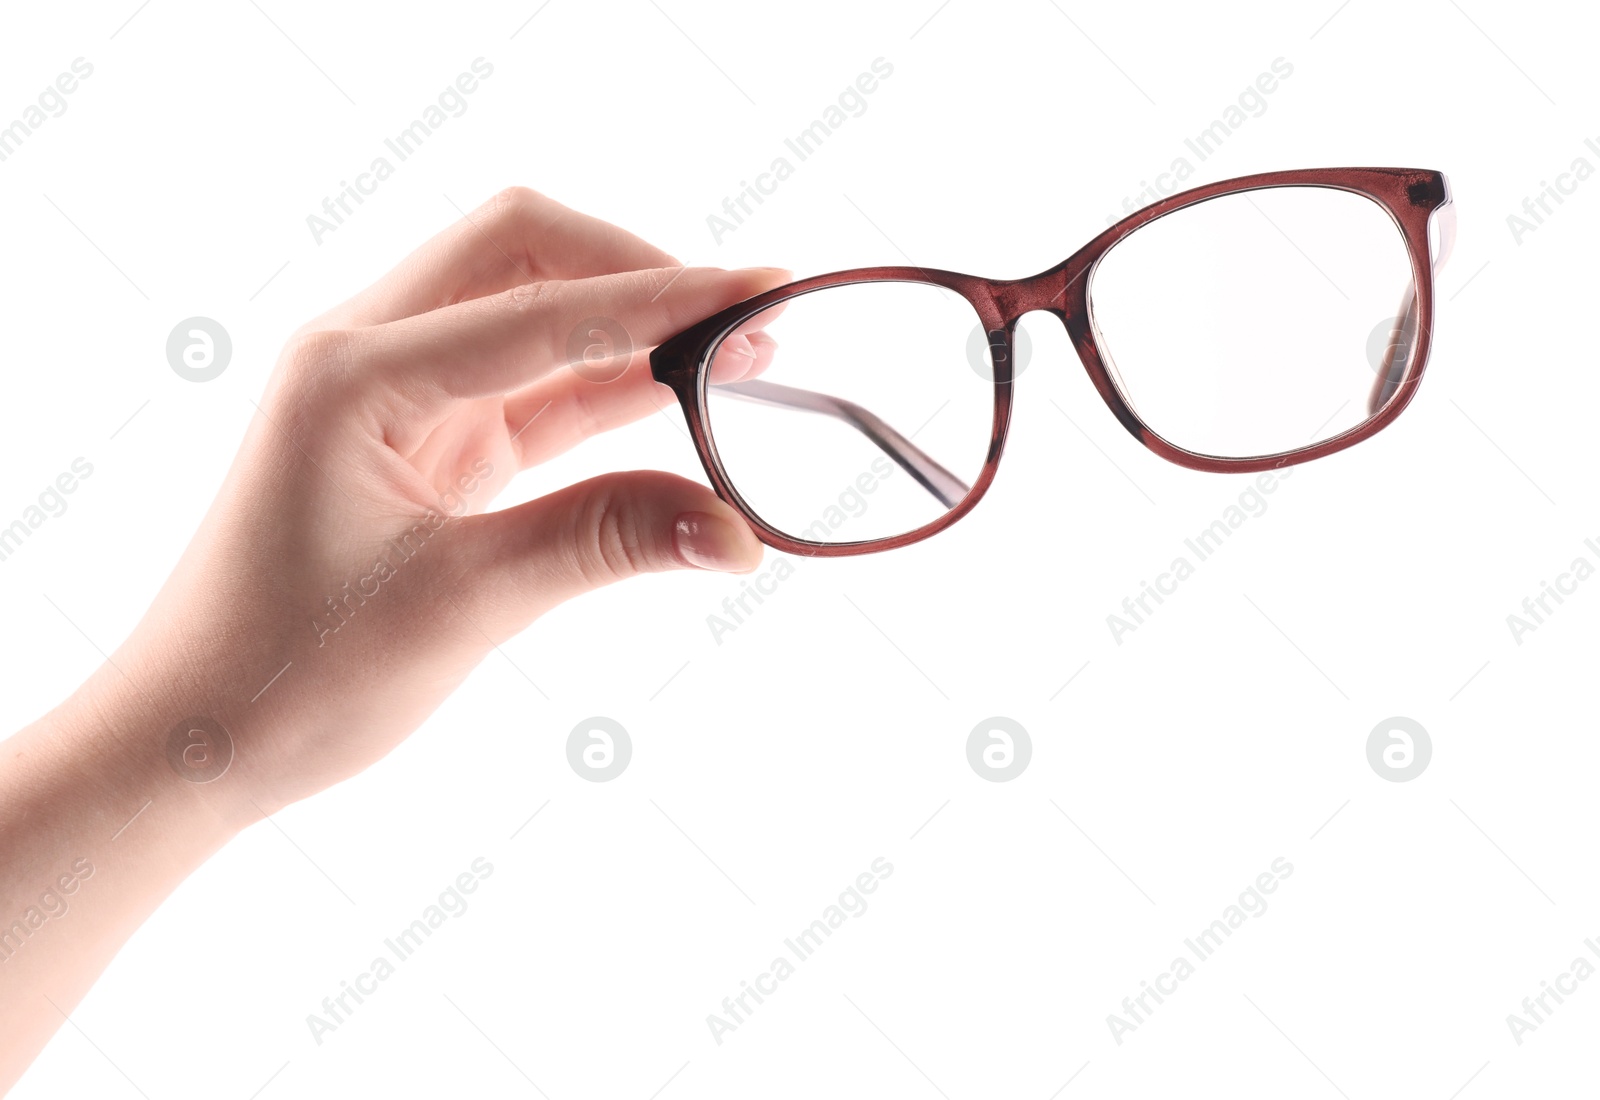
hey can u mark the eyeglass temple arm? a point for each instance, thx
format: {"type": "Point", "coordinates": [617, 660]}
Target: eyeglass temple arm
{"type": "Point", "coordinates": [948, 489]}
{"type": "Point", "coordinates": [1403, 338]}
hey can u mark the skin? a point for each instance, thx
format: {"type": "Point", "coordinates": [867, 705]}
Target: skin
{"type": "Point", "coordinates": [433, 387]}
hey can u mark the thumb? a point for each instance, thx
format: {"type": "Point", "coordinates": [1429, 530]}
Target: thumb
{"type": "Point", "coordinates": [607, 529]}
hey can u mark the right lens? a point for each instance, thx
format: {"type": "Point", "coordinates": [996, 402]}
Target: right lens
{"type": "Point", "coordinates": [860, 418]}
{"type": "Point", "coordinates": [1240, 327]}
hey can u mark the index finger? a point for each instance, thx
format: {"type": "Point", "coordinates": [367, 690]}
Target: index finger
{"type": "Point", "coordinates": [494, 346]}
{"type": "Point", "coordinates": [519, 236]}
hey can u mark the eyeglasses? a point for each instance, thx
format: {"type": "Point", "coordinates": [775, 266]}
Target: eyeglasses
{"type": "Point", "coordinates": [1241, 326]}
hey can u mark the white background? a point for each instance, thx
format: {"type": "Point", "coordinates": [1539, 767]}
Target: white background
{"type": "Point", "coordinates": [770, 770]}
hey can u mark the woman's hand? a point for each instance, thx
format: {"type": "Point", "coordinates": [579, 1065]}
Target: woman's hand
{"type": "Point", "coordinates": [351, 538]}
{"type": "Point", "coordinates": [348, 575]}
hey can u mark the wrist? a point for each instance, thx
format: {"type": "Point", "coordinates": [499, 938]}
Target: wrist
{"type": "Point", "coordinates": [132, 746]}
{"type": "Point", "coordinates": [95, 831]}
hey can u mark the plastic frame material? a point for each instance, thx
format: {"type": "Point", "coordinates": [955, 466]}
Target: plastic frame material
{"type": "Point", "coordinates": [1411, 197]}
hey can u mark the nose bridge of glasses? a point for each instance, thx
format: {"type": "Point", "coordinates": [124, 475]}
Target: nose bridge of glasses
{"type": "Point", "coordinates": [948, 489]}
{"type": "Point", "coordinates": [1049, 291]}
{"type": "Point", "coordinates": [1009, 300]}
{"type": "Point", "coordinates": [1062, 291]}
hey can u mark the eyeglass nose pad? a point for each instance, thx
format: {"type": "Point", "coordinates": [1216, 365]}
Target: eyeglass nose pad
{"type": "Point", "coordinates": [1396, 354]}
{"type": "Point", "coordinates": [999, 354]}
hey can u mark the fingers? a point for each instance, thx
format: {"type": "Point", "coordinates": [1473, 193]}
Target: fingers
{"type": "Point", "coordinates": [519, 236]}
{"type": "Point", "coordinates": [566, 408]}
{"type": "Point", "coordinates": [493, 346]}
{"type": "Point", "coordinates": [598, 532]}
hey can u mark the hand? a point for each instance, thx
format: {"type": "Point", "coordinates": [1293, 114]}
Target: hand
{"type": "Point", "coordinates": [348, 577]}
{"type": "Point", "coordinates": [350, 536]}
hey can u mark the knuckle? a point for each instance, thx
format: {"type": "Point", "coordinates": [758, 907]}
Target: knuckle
{"type": "Point", "coordinates": [317, 361]}
{"type": "Point", "coordinates": [312, 381]}
{"type": "Point", "coordinates": [515, 200]}
{"type": "Point", "coordinates": [514, 219]}
{"type": "Point", "coordinates": [610, 544]}
{"type": "Point", "coordinates": [537, 307]}
{"type": "Point", "coordinates": [683, 301]}
{"type": "Point", "coordinates": [319, 348]}
{"type": "Point", "coordinates": [529, 298]}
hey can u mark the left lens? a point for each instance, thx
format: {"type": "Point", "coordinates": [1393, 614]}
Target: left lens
{"type": "Point", "coordinates": [1243, 326]}
{"type": "Point", "coordinates": [859, 418]}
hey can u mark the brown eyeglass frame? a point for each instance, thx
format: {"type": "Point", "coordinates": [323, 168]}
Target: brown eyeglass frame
{"type": "Point", "coordinates": [1410, 196]}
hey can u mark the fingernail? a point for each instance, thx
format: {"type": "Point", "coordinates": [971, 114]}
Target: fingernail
{"type": "Point", "coordinates": [706, 542]}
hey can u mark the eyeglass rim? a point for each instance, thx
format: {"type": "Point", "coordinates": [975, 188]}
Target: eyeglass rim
{"type": "Point", "coordinates": [1410, 196]}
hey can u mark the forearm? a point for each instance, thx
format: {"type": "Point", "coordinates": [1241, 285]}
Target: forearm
{"type": "Point", "coordinates": [95, 831]}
